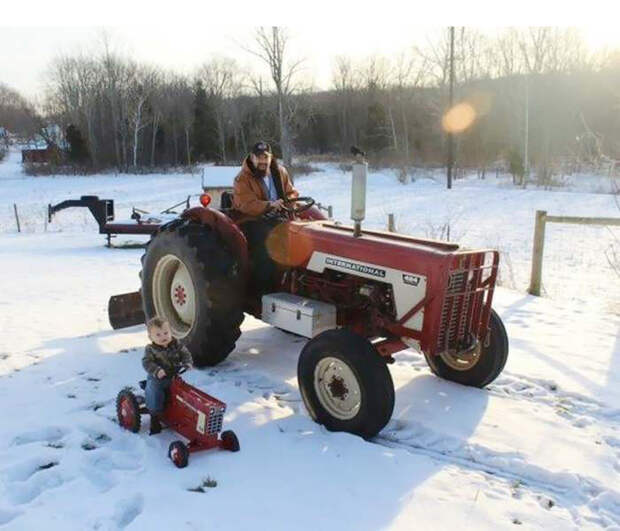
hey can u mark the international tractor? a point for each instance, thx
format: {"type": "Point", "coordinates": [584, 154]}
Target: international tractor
{"type": "Point", "coordinates": [358, 295]}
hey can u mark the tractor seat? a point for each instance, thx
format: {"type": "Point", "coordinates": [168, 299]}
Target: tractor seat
{"type": "Point", "coordinates": [226, 201]}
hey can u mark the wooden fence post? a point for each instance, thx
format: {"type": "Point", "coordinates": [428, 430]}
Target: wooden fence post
{"type": "Point", "coordinates": [537, 253]}
{"type": "Point", "coordinates": [16, 217]}
{"type": "Point", "coordinates": [391, 227]}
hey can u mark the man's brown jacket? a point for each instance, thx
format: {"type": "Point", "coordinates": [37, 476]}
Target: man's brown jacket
{"type": "Point", "coordinates": [249, 195]}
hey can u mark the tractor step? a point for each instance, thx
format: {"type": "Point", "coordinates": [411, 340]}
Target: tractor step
{"type": "Point", "coordinates": [125, 310]}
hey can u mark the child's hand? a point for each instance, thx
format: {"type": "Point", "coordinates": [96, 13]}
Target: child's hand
{"type": "Point", "coordinates": [160, 374]}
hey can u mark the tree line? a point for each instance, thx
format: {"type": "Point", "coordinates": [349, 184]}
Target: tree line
{"type": "Point", "coordinates": [117, 112]}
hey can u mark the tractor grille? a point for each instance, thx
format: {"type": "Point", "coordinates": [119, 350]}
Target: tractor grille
{"type": "Point", "coordinates": [467, 301]}
{"type": "Point", "coordinates": [216, 419]}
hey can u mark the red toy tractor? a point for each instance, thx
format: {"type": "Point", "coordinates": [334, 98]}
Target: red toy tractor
{"type": "Point", "coordinates": [190, 412]}
{"type": "Point", "coordinates": [359, 296]}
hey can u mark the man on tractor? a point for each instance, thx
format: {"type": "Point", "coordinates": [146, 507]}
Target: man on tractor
{"type": "Point", "coordinates": [262, 185]}
{"type": "Point", "coordinates": [262, 188]}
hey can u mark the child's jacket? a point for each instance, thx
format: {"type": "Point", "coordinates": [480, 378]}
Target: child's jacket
{"type": "Point", "coordinates": [168, 358]}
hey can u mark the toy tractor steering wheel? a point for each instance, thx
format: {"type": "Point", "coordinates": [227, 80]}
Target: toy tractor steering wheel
{"type": "Point", "coordinates": [308, 202]}
{"type": "Point", "coordinates": [181, 370]}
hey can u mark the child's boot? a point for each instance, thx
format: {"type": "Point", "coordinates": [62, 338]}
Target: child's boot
{"type": "Point", "coordinates": [155, 424]}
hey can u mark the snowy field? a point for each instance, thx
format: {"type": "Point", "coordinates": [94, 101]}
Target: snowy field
{"type": "Point", "coordinates": [537, 449]}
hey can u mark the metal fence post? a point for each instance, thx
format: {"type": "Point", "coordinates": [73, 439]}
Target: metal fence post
{"type": "Point", "coordinates": [17, 217]}
{"type": "Point", "coordinates": [537, 253]}
{"type": "Point", "coordinates": [391, 227]}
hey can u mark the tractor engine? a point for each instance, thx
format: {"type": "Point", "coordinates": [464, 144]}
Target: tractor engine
{"type": "Point", "coordinates": [362, 303]}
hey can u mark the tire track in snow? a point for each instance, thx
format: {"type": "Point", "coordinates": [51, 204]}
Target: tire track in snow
{"type": "Point", "coordinates": [569, 490]}
{"type": "Point", "coordinates": [564, 489]}
{"type": "Point", "coordinates": [548, 392]}
{"type": "Point", "coordinates": [578, 409]}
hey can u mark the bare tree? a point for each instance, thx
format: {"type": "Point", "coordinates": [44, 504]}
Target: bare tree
{"type": "Point", "coordinates": [17, 115]}
{"type": "Point", "coordinates": [221, 79]}
{"type": "Point", "coordinates": [272, 48]}
{"type": "Point", "coordinates": [345, 83]}
{"type": "Point", "coordinates": [410, 72]}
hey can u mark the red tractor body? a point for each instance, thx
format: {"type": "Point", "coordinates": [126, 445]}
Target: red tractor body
{"type": "Point", "coordinates": [430, 294]}
{"type": "Point", "coordinates": [359, 296]}
{"type": "Point", "coordinates": [195, 415]}
{"type": "Point", "coordinates": [190, 412]}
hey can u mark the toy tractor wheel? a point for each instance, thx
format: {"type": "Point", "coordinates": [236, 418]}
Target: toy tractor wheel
{"type": "Point", "coordinates": [345, 384]}
{"type": "Point", "coordinates": [192, 280]}
{"type": "Point", "coordinates": [230, 441]}
{"type": "Point", "coordinates": [477, 368]}
{"type": "Point", "coordinates": [178, 454]}
{"type": "Point", "coordinates": [128, 411]}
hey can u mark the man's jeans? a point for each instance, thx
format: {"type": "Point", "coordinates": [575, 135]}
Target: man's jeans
{"type": "Point", "coordinates": [262, 267]}
{"type": "Point", "coordinates": [155, 393]}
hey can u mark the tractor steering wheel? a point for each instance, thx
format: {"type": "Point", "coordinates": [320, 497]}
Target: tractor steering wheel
{"type": "Point", "coordinates": [308, 203]}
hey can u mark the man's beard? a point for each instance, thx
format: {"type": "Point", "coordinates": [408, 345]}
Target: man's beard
{"type": "Point", "coordinates": [261, 170]}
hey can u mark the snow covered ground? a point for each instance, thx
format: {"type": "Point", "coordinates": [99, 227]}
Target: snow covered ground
{"type": "Point", "coordinates": [539, 448]}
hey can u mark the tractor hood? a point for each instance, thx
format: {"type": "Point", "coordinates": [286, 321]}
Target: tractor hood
{"type": "Point", "coordinates": [295, 243]}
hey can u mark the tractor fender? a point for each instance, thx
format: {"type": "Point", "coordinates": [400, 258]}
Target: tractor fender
{"type": "Point", "coordinates": [229, 232]}
{"type": "Point", "coordinates": [312, 214]}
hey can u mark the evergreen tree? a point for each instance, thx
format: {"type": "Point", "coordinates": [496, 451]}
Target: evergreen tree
{"type": "Point", "coordinates": [204, 135]}
{"type": "Point", "coordinates": [376, 131]}
{"type": "Point", "coordinates": [78, 151]}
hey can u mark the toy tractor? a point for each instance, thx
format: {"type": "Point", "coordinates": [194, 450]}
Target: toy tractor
{"type": "Point", "coordinates": [190, 412]}
{"type": "Point", "coordinates": [359, 296]}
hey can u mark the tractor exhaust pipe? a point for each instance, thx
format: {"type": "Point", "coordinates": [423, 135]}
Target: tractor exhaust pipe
{"type": "Point", "coordinates": [358, 190]}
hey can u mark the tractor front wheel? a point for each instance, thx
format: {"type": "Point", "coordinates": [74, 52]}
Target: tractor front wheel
{"type": "Point", "coordinates": [178, 454]}
{"type": "Point", "coordinates": [230, 441]}
{"type": "Point", "coordinates": [345, 384]}
{"type": "Point", "coordinates": [128, 411]}
{"type": "Point", "coordinates": [479, 367]}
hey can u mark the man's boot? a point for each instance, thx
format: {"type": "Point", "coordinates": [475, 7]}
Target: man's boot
{"type": "Point", "coordinates": [155, 424]}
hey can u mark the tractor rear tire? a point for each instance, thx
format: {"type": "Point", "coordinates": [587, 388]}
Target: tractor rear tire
{"type": "Point", "coordinates": [191, 279]}
{"type": "Point", "coordinates": [488, 366]}
{"type": "Point", "coordinates": [345, 383]}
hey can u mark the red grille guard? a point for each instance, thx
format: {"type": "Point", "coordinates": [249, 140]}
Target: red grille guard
{"type": "Point", "coordinates": [466, 303]}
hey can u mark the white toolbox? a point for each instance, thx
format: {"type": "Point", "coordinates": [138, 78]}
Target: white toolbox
{"type": "Point", "coordinates": [299, 315]}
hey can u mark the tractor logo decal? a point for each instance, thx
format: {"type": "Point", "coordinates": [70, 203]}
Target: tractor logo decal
{"type": "Point", "coordinates": [374, 271]}
{"type": "Point", "coordinates": [412, 280]}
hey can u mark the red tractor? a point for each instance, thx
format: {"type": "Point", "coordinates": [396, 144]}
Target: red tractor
{"type": "Point", "coordinates": [358, 295]}
{"type": "Point", "coordinates": [190, 412]}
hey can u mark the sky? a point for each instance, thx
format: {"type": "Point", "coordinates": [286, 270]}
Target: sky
{"type": "Point", "coordinates": [31, 37]}
{"type": "Point", "coordinates": [27, 52]}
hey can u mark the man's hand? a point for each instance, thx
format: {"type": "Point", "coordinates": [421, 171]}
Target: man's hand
{"type": "Point", "coordinates": [160, 374]}
{"type": "Point", "coordinates": [276, 205]}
